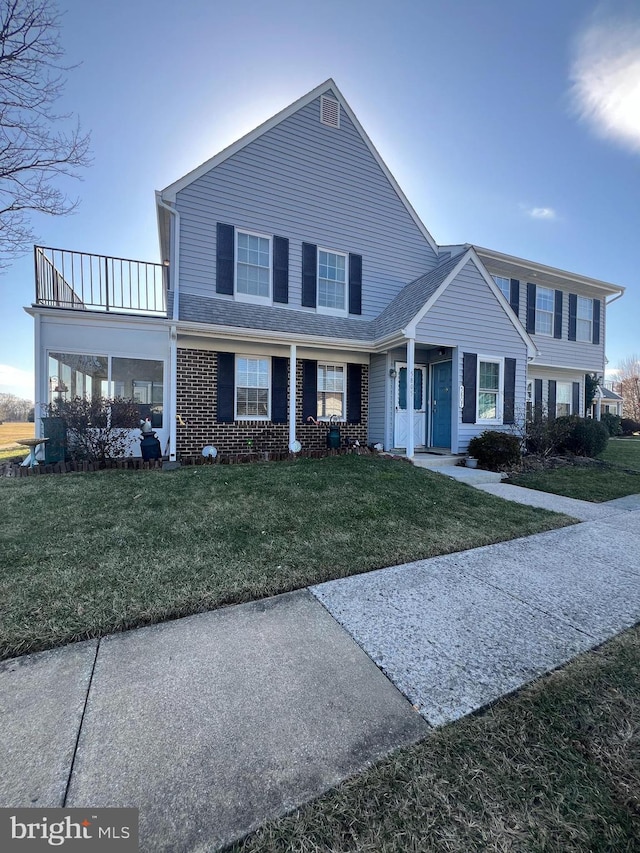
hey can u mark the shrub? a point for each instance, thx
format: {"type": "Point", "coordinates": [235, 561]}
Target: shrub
{"type": "Point", "coordinates": [495, 450]}
{"type": "Point", "coordinates": [545, 436]}
{"type": "Point", "coordinates": [97, 428]}
{"type": "Point", "coordinates": [581, 437]}
{"type": "Point", "coordinates": [611, 422]}
{"type": "Point", "coordinates": [629, 426]}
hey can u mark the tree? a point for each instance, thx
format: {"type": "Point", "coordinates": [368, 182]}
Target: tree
{"type": "Point", "coordinates": [35, 147]}
{"type": "Point", "coordinates": [14, 408]}
{"type": "Point", "coordinates": [628, 386]}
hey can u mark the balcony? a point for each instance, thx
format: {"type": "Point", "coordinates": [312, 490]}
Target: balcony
{"type": "Point", "coordinates": [85, 282]}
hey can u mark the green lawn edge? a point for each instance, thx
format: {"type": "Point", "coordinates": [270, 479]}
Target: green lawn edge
{"type": "Point", "coordinates": [85, 555]}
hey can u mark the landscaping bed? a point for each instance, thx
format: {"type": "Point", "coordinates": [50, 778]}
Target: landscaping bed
{"type": "Point", "coordinates": [553, 768]}
{"type": "Point", "coordinates": [90, 553]}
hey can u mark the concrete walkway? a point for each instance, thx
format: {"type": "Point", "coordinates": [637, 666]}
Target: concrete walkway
{"type": "Point", "coordinates": [212, 724]}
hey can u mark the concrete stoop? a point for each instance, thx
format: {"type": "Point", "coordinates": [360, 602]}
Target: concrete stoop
{"type": "Point", "coordinates": [448, 465]}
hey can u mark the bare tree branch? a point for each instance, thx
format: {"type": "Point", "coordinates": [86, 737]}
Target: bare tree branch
{"type": "Point", "coordinates": [627, 379]}
{"type": "Point", "coordinates": [36, 149]}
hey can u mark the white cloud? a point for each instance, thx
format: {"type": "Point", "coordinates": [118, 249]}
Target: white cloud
{"type": "Point", "coordinates": [542, 213]}
{"type": "Point", "coordinates": [605, 79]}
{"type": "Point", "coordinates": [14, 380]}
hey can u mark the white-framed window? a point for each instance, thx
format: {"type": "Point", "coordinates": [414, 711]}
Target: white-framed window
{"type": "Point", "coordinates": [544, 310]}
{"type": "Point", "coordinates": [563, 398]}
{"type": "Point", "coordinates": [490, 385]}
{"type": "Point", "coordinates": [332, 387]}
{"type": "Point", "coordinates": [253, 386]}
{"type": "Point", "coordinates": [332, 281]}
{"type": "Point", "coordinates": [584, 319]}
{"type": "Point", "coordinates": [529, 400]}
{"type": "Point", "coordinates": [253, 266]}
{"type": "Point", "coordinates": [504, 284]}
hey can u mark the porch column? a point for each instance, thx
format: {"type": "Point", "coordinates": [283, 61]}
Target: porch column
{"type": "Point", "coordinates": [292, 394]}
{"type": "Point", "coordinates": [598, 405]}
{"type": "Point", "coordinates": [411, 359]}
{"type": "Point", "coordinates": [173, 394]}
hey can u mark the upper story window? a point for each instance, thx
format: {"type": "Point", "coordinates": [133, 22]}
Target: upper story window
{"type": "Point", "coordinates": [490, 389]}
{"type": "Point", "coordinates": [252, 388]}
{"type": "Point", "coordinates": [544, 311]}
{"type": "Point", "coordinates": [504, 284]}
{"type": "Point", "coordinates": [253, 266]}
{"type": "Point", "coordinates": [584, 319]}
{"type": "Point", "coordinates": [332, 281]}
{"type": "Point", "coordinates": [331, 390]}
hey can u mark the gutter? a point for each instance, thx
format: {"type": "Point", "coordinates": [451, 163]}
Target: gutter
{"type": "Point", "coordinates": [175, 253]}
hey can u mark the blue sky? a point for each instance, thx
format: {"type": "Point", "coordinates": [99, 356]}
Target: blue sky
{"type": "Point", "coordinates": [514, 126]}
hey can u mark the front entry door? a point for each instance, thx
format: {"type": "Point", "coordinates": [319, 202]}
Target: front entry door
{"type": "Point", "coordinates": [441, 404]}
{"type": "Point", "coordinates": [419, 405]}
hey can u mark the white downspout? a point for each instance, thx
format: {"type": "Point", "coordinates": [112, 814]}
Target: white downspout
{"type": "Point", "coordinates": [292, 395]}
{"type": "Point", "coordinates": [174, 273]}
{"type": "Point", "coordinates": [411, 358]}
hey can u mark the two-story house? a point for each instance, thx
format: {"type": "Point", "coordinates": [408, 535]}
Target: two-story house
{"type": "Point", "coordinates": [299, 285]}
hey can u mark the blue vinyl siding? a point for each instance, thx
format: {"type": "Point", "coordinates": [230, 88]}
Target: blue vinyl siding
{"type": "Point", "coordinates": [310, 183]}
{"type": "Point", "coordinates": [378, 380]}
{"type": "Point", "coordinates": [469, 316]}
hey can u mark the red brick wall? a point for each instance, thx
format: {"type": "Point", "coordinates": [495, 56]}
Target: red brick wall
{"type": "Point", "coordinates": [197, 384]}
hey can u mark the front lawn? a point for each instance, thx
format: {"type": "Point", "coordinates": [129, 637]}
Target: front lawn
{"type": "Point", "coordinates": [88, 554]}
{"type": "Point", "coordinates": [554, 768]}
{"type": "Point", "coordinates": [614, 475]}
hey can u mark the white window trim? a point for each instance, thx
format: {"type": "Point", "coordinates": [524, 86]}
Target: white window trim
{"type": "Point", "coordinates": [507, 296]}
{"type": "Point", "coordinates": [500, 401]}
{"type": "Point", "coordinates": [321, 309]}
{"type": "Point", "coordinates": [570, 385]}
{"type": "Point", "coordinates": [580, 319]}
{"type": "Point", "coordinates": [248, 297]}
{"type": "Point", "coordinates": [327, 418]}
{"type": "Point", "coordinates": [236, 416]}
{"type": "Point", "coordinates": [540, 311]}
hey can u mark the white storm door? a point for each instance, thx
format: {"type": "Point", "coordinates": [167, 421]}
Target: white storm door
{"type": "Point", "coordinates": [401, 415]}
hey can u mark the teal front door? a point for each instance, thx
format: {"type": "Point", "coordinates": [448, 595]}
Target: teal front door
{"type": "Point", "coordinates": [441, 404]}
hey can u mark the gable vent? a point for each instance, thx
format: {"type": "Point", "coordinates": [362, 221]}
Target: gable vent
{"type": "Point", "coordinates": [329, 111]}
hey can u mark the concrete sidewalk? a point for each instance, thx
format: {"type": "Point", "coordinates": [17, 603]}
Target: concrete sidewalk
{"type": "Point", "coordinates": [212, 724]}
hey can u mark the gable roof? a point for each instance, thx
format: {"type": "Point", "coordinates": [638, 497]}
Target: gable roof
{"type": "Point", "coordinates": [329, 86]}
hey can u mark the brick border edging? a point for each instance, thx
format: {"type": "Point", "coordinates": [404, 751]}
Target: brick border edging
{"type": "Point", "coordinates": [12, 469]}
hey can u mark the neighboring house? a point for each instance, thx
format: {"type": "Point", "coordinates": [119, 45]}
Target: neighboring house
{"type": "Point", "coordinates": [297, 285]}
{"type": "Point", "coordinates": [606, 400]}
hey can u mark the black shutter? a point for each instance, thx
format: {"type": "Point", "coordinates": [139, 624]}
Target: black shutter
{"type": "Point", "coordinates": [355, 285]}
{"type": "Point", "coordinates": [280, 269]}
{"type": "Point", "coordinates": [309, 274]}
{"type": "Point", "coordinates": [551, 399]}
{"type": "Point", "coordinates": [309, 389]}
{"type": "Point", "coordinates": [514, 296]}
{"type": "Point", "coordinates": [224, 258]}
{"type": "Point", "coordinates": [573, 316]}
{"type": "Point", "coordinates": [537, 400]}
{"type": "Point", "coordinates": [596, 322]}
{"type": "Point", "coordinates": [531, 308]}
{"type": "Point", "coordinates": [226, 382]}
{"type": "Point", "coordinates": [509, 413]}
{"type": "Point", "coordinates": [279, 390]}
{"type": "Point", "coordinates": [469, 372]}
{"type": "Point", "coordinates": [557, 315]}
{"type": "Point", "coordinates": [575, 409]}
{"type": "Point", "coordinates": [354, 393]}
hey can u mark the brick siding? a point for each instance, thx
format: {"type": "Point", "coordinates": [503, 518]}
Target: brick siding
{"type": "Point", "coordinates": [197, 405]}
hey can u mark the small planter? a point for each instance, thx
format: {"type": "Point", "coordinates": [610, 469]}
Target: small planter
{"type": "Point", "coordinates": [471, 462]}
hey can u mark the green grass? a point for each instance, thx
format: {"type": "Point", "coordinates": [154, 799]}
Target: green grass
{"type": "Point", "coordinates": [623, 451]}
{"type": "Point", "coordinates": [87, 554]}
{"type": "Point", "coordinates": [554, 768]}
{"type": "Point", "coordinates": [620, 475]}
